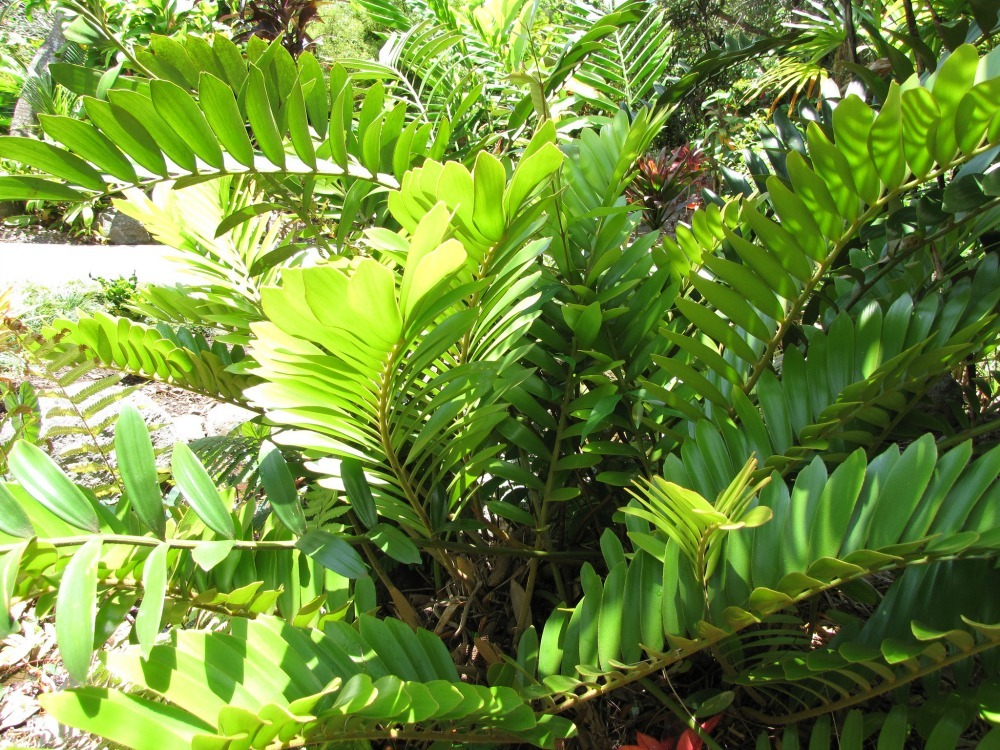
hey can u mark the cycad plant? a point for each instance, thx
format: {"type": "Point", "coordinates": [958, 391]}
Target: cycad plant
{"type": "Point", "coordinates": [722, 450]}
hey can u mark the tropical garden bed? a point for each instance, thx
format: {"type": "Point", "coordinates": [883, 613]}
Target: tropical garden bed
{"type": "Point", "coordinates": [613, 382]}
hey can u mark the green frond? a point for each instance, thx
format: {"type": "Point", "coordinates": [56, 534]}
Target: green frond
{"type": "Point", "coordinates": [398, 382]}
{"type": "Point", "coordinates": [890, 730]}
{"type": "Point", "coordinates": [272, 682]}
{"type": "Point", "coordinates": [173, 356]}
{"type": "Point", "coordinates": [156, 130]}
{"type": "Point", "coordinates": [745, 298]}
{"type": "Point", "coordinates": [923, 625]}
{"type": "Point", "coordinates": [827, 531]}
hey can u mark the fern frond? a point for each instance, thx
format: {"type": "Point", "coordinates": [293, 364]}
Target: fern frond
{"type": "Point", "coordinates": [625, 70]}
{"type": "Point", "coordinates": [231, 461]}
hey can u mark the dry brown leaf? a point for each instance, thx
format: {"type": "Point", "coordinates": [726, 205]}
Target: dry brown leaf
{"type": "Point", "coordinates": [490, 653]}
{"type": "Point", "coordinates": [404, 610]}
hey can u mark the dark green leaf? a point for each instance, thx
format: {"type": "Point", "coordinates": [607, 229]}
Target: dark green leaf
{"type": "Point", "coordinates": [394, 543]}
{"type": "Point", "coordinates": [261, 118]}
{"type": "Point", "coordinates": [129, 135]}
{"type": "Point", "coordinates": [22, 188]}
{"type": "Point", "coordinates": [55, 161]}
{"type": "Point", "coordinates": [223, 115]}
{"type": "Point", "coordinates": [359, 494]}
{"type": "Point", "coordinates": [90, 143]}
{"type": "Point", "coordinates": [280, 489]}
{"type": "Point", "coordinates": [332, 552]}
{"type": "Point", "coordinates": [179, 110]}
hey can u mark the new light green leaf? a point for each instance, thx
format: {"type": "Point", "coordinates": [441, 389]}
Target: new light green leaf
{"type": "Point", "coordinates": [951, 81]}
{"type": "Point", "coordinates": [490, 180]}
{"type": "Point", "coordinates": [885, 141]}
{"type": "Point", "coordinates": [137, 466]}
{"type": "Point", "coordinates": [199, 489]}
{"type": "Point", "coordinates": [977, 108]}
{"type": "Point", "coordinates": [76, 608]}
{"type": "Point", "coordinates": [371, 298]}
{"type": "Point", "coordinates": [430, 273]}
{"type": "Point", "coordinates": [852, 121]}
{"type": "Point", "coordinates": [530, 173]}
{"type": "Point", "coordinates": [46, 482]}
{"type": "Point", "coordinates": [920, 119]}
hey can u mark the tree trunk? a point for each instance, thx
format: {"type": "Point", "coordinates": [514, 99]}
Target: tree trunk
{"type": "Point", "coordinates": [852, 39]}
{"type": "Point", "coordinates": [24, 119]}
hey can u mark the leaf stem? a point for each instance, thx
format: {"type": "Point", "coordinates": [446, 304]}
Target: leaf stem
{"type": "Point", "coordinates": [572, 556]}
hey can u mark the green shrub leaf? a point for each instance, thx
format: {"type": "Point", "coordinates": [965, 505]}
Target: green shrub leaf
{"type": "Point", "coordinates": [9, 564]}
{"type": "Point", "coordinates": [199, 489]}
{"type": "Point", "coordinates": [210, 554]}
{"type": "Point", "coordinates": [46, 482]}
{"type": "Point", "coordinates": [332, 552]}
{"type": "Point", "coordinates": [137, 465]}
{"type": "Point", "coordinates": [76, 608]}
{"type": "Point", "coordinates": [13, 520]}
{"type": "Point", "coordinates": [359, 494]}
{"type": "Point", "coordinates": [280, 488]}
{"type": "Point", "coordinates": [154, 588]}
{"type": "Point", "coordinates": [394, 543]}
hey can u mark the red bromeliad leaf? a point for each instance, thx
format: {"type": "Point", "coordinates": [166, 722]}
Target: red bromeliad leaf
{"type": "Point", "coordinates": [649, 743]}
{"type": "Point", "coordinates": [691, 741]}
